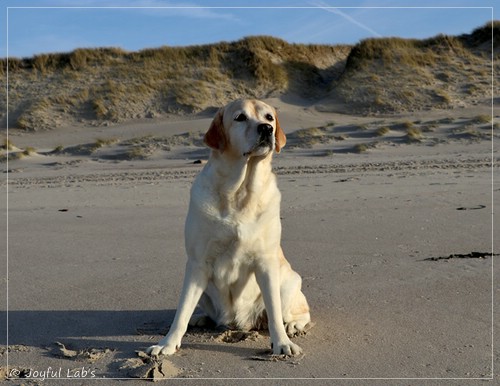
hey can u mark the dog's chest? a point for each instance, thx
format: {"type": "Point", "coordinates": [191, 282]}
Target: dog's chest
{"type": "Point", "coordinates": [236, 240]}
{"type": "Point", "coordinates": [231, 267]}
{"type": "Point", "coordinates": [239, 221]}
{"type": "Point", "coordinates": [231, 231]}
{"type": "Point", "coordinates": [234, 234]}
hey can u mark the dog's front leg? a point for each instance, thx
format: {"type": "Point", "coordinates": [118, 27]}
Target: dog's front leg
{"type": "Point", "coordinates": [267, 276]}
{"type": "Point", "coordinates": [195, 282]}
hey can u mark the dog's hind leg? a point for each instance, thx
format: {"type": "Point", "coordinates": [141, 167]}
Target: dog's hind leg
{"type": "Point", "coordinates": [296, 315]}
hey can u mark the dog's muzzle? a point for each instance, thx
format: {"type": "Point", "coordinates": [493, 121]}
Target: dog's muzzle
{"type": "Point", "coordinates": [265, 131]}
{"type": "Point", "coordinates": [265, 141]}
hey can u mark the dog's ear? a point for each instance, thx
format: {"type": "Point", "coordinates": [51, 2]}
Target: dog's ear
{"type": "Point", "coordinates": [215, 137]}
{"type": "Point", "coordinates": [279, 136]}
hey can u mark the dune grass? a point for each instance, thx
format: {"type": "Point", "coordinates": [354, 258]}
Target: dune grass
{"type": "Point", "coordinates": [387, 75]}
{"type": "Point", "coordinates": [414, 134]}
{"type": "Point", "coordinates": [483, 119]}
{"type": "Point", "coordinates": [107, 85]}
{"type": "Point", "coordinates": [110, 84]}
{"type": "Point", "coordinates": [382, 131]}
{"type": "Point", "coordinates": [7, 145]}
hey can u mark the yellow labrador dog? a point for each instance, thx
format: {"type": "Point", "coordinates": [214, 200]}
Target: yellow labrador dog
{"type": "Point", "coordinates": [236, 271]}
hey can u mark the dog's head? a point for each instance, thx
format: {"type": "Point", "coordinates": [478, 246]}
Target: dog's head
{"type": "Point", "coordinates": [246, 127]}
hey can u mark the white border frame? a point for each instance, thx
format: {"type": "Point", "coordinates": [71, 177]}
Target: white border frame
{"type": "Point", "coordinates": [270, 7]}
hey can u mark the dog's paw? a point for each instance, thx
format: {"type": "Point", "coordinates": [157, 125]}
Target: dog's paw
{"type": "Point", "coordinates": [158, 350]}
{"type": "Point", "coordinates": [200, 320]}
{"type": "Point", "coordinates": [295, 328]}
{"type": "Point", "coordinates": [286, 348]}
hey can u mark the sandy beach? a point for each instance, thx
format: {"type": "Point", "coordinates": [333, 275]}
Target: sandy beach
{"type": "Point", "coordinates": [391, 233]}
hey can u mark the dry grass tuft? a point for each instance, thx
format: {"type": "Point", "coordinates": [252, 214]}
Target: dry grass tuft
{"type": "Point", "coordinates": [361, 148]}
{"type": "Point", "coordinates": [414, 134]}
{"type": "Point", "coordinates": [7, 145]}
{"type": "Point", "coordinates": [383, 131]}
{"type": "Point", "coordinates": [483, 119]}
{"type": "Point", "coordinates": [29, 151]}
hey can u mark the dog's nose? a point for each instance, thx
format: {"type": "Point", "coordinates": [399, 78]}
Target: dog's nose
{"type": "Point", "coordinates": [265, 129]}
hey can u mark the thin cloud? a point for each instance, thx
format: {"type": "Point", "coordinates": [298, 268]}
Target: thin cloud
{"type": "Point", "coordinates": [157, 8]}
{"type": "Point", "coordinates": [337, 11]}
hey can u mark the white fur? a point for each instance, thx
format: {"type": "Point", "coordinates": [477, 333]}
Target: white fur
{"type": "Point", "coordinates": [236, 270]}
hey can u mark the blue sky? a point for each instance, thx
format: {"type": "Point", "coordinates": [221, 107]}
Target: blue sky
{"type": "Point", "coordinates": [41, 26]}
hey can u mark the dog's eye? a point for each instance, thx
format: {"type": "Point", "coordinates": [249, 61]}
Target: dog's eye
{"type": "Point", "coordinates": [241, 118]}
{"type": "Point", "coordinates": [269, 117]}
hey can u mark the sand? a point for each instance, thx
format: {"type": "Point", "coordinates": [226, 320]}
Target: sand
{"type": "Point", "coordinates": [385, 238]}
